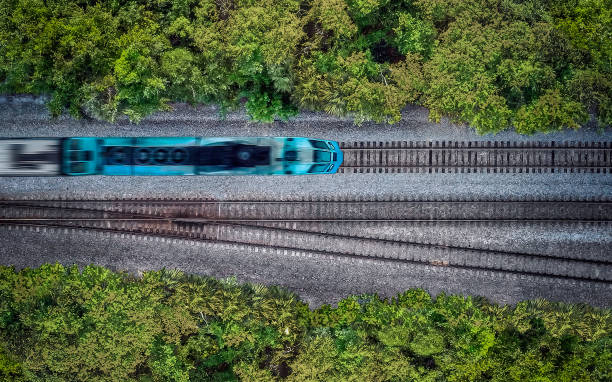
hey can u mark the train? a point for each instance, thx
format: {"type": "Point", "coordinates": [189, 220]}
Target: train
{"type": "Point", "coordinates": [77, 156]}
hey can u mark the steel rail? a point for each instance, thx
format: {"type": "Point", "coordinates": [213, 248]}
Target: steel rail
{"type": "Point", "coordinates": [431, 245]}
{"type": "Point", "coordinates": [197, 201]}
{"type": "Point", "coordinates": [440, 263]}
{"type": "Point", "coordinates": [129, 221]}
{"type": "Point", "coordinates": [477, 156]}
{"type": "Point", "coordinates": [75, 223]}
{"type": "Point", "coordinates": [298, 220]}
{"type": "Point", "coordinates": [476, 148]}
{"type": "Point", "coordinates": [395, 211]}
{"type": "Point", "coordinates": [295, 231]}
{"type": "Point", "coordinates": [442, 165]}
{"type": "Point", "coordinates": [464, 145]}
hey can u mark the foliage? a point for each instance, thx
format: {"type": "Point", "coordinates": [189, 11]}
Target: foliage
{"type": "Point", "coordinates": [587, 27]}
{"type": "Point", "coordinates": [353, 85]}
{"type": "Point", "coordinates": [413, 35]}
{"type": "Point", "coordinates": [261, 41]}
{"type": "Point", "coordinates": [66, 324]}
{"type": "Point", "coordinates": [496, 70]}
{"type": "Point", "coordinates": [494, 64]}
{"type": "Point", "coordinates": [139, 86]}
{"type": "Point", "coordinates": [330, 16]}
{"type": "Point", "coordinates": [59, 323]}
{"type": "Point", "coordinates": [552, 110]}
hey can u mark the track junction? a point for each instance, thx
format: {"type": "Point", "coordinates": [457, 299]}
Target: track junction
{"type": "Point", "coordinates": [327, 227]}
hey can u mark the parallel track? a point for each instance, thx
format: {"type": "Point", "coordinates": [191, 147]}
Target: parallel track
{"type": "Point", "coordinates": [240, 222]}
{"type": "Point", "coordinates": [332, 210]}
{"type": "Point", "coordinates": [357, 247]}
{"type": "Point", "coordinates": [478, 156]}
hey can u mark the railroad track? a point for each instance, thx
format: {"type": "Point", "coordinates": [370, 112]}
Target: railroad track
{"type": "Point", "coordinates": [358, 247]}
{"type": "Point", "coordinates": [477, 156]}
{"type": "Point", "coordinates": [332, 210]}
{"type": "Point", "coordinates": [240, 222]}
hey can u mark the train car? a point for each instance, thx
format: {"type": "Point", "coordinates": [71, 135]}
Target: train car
{"type": "Point", "coordinates": [30, 157]}
{"type": "Point", "coordinates": [168, 156]}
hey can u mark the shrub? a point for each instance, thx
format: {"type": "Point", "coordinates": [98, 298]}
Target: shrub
{"type": "Point", "coordinates": [486, 63]}
{"type": "Point", "coordinates": [59, 323]}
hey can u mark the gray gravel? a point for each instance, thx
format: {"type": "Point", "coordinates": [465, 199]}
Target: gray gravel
{"type": "Point", "coordinates": [317, 279]}
{"type": "Point", "coordinates": [27, 116]}
{"type": "Point", "coordinates": [366, 186]}
{"type": "Point", "coordinates": [590, 241]}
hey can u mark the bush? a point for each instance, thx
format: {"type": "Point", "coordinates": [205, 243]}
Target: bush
{"type": "Point", "coordinates": [487, 63]}
{"type": "Point", "coordinates": [59, 323]}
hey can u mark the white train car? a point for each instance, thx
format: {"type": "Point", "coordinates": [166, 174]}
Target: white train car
{"type": "Point", "coordinates": [30, 157]}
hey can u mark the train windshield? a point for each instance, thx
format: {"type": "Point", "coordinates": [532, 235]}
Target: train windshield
{"type": "Point", "coordinates": [316, 168]}
{"type": "Point", "coordinates": [318, 144]}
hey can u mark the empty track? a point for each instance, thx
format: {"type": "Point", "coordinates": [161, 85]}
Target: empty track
{"type": "Point", "coordinates": [241, 222]}
{"type": "Point", "coordinates": [326, 210]}
{"type": "Point", "coordinates": [477, 156]}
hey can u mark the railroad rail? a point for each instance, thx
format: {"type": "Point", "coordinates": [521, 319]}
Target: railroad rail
{"type": "Point", "coordinates": [240, 222]}
{"type": "Point", "coordinates": [364, 248]}
{"type": "Point", "coordinates": [476, 156]}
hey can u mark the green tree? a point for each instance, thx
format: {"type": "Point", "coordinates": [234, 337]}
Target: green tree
{"type": "Point", "coordinates": [140, 86]}
{"type": "Point", "coordinates": [550, 110]}
{"type": "Point", "coordinates": [59, 323]}
{"type": "Point", "coordinates": [413, 35]}
{"type": "Point", "coordinates": [164, 364]}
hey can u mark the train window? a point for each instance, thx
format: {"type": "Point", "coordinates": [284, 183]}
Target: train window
{"type": "Point", "coordinates": [318, 144]}
{"type": "Point", "coordinates": [160, 155]}
{"type": "Point", "coordinates": [78, 167]}
{"type": "Point", "coordinates": [88, 155]}
{"type": "Point", "coordinates": [317, 168]}
{"type": "Point", "coordinates": [74, 155]}
{"type": "Point", "coordinates": [178, 155]}
{"type": "Point", "coordinates": [335, 157]}
{"type": "Point", "coordinates": [322, 156]}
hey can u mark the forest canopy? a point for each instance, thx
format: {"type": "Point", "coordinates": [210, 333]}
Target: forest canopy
{"type": "Point", "coordinates": [531, 65]}
{"type": "Point", "coordinates": [59, 323]}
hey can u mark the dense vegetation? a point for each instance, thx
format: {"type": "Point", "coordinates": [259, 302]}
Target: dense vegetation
{"type": "Point", "coordinates": [59, 324]}
{"type": "Point", "coordinates": [537, 65]}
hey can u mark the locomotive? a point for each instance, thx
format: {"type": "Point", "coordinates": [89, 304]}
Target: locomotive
{"type": "Point", "coordinates": [168, 156]}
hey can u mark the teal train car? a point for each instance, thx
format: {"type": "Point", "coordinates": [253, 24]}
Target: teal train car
{"type": "Point", "coordinates": [168, 156]}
